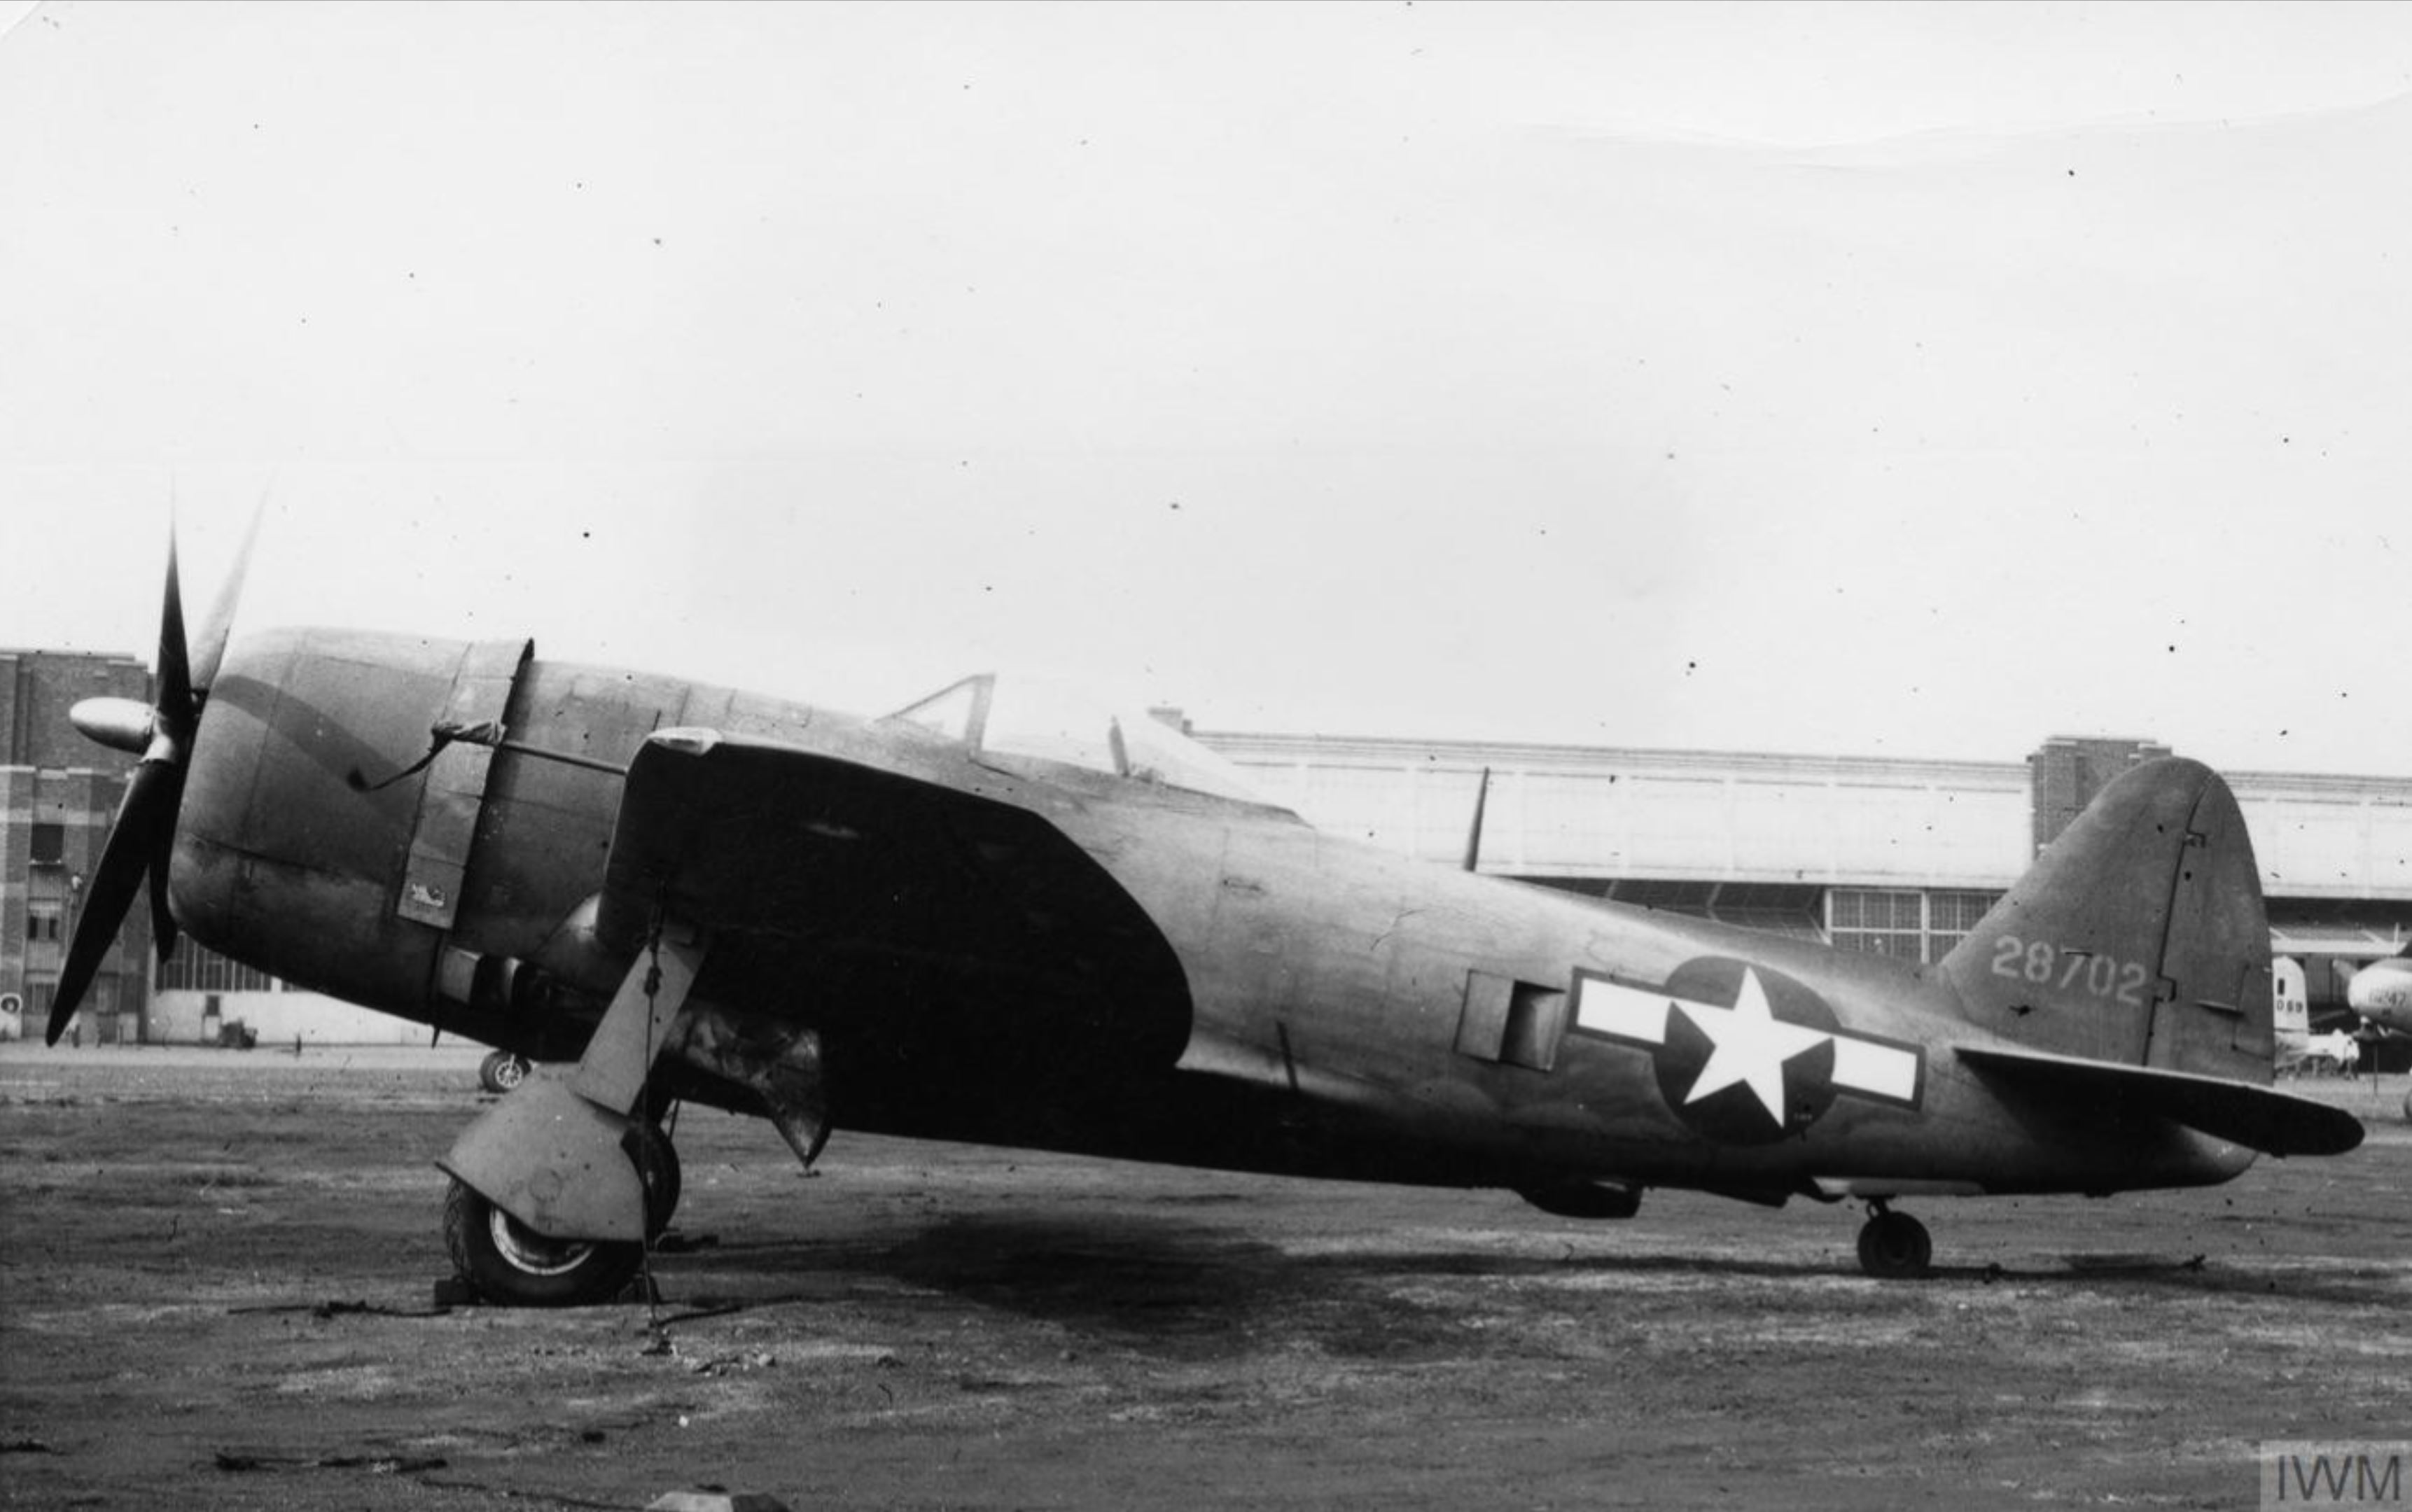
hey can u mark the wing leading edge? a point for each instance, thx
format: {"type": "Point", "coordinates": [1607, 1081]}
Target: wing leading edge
{"type": "Point", "coordinates": [933, 934]}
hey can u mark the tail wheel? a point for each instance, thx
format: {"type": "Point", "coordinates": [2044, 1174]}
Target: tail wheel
{"type": "Point", "coordinates": [502, 1071]}
{"type": "Point", "coordinates": [1894, 1246]}
{"type": "Point", "coordinates": [507, 1263]}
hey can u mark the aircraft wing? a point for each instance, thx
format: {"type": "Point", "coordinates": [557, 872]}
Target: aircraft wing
{"type": "Point", "coordinates": [939, 924]}
{"type": "Point", "coordinates": [2274, 1123]}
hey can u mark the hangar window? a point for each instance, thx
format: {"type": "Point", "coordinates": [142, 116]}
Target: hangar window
{"type": "Point", "coordinates": [1903, 922]}
{"type": "Point", "coordinates": [1900, 945]}
{"type": "Point", "coordinates": [1883, 922]}
{"type": "Point", "coordinates": [41, 924]}
{"type": "Point", "coordinates": [194, 969]}
{"type": "Point", "coordinates": [49, 844]}
{"type": "Point", "coordinates": [1950, 917]}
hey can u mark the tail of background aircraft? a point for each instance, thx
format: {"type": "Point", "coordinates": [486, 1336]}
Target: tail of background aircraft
{"type": "Point", "coordinates": [2290, 1013]}
{"type": "Point", "coordinates": [2290, 1005]}
{"type": "Point", "coordinates": [2137, 938]}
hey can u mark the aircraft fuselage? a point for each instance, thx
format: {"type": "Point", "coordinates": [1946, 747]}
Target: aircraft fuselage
{"type": "Point", "coordinates": [1308, 1004]}
{"type": "Point", "coordinates": [2381, 993]}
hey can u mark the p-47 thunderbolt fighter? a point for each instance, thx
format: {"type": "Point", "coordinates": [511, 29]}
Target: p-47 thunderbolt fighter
{"type": "Point", "coordinates": [992, 918]}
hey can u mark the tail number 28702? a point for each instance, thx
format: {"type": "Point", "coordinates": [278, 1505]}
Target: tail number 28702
{"type": "Point", "coordinates": [2045, 965]}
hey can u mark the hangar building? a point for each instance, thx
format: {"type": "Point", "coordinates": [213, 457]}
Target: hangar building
{"type": "Point", "coordinates": [1877, 854]}
{"type": "Point", "coordinates": [58, 793]}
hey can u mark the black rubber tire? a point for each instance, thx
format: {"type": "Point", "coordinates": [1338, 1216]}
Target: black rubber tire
{"type": "Point", "coordinates": [1894, 1246]}
{"type": "Point", "coordinates": [508, 1264]}
{"type": "Point", "coordinates": [501, 1071]}
{"type": "Point", "coordinates": [657, 1166]}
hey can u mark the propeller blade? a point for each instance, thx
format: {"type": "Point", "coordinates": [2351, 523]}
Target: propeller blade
{"type": "Point", "coordinates": [163, 846]}
{"type": "Point", "coordinates": [209, 647]}
{"type": "Point", "coordinates": [142, 839]}
{"type": "Point", "coordinates": [148, 807]}
{"type": "Point", "coordinates": [173, 696]}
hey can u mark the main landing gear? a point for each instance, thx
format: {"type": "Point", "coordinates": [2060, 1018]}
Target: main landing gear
{"type": "Point", "coordinates": [502, 1261]}
{"type": "Point", "coordinates": [558, 1188]}
{"type": "Point", "coordinates": [1893, 1246]}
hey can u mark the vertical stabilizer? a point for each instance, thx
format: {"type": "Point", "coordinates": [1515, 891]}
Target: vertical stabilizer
{"type": "Point", "coordinates": [2137, 938]}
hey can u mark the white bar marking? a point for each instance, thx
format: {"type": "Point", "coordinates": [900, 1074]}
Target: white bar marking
{"type": "Point", "coordinates": [1606, 1007]}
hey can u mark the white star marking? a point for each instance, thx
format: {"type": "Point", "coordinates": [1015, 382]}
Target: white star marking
{"type": "Point", "coordinates": [1750, 1046]}
{"type": "Point", "coordinates": [1743, 1036]}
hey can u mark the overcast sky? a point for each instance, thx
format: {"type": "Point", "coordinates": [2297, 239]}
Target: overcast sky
{"type": "Point", "coordinates": [1905, 380]}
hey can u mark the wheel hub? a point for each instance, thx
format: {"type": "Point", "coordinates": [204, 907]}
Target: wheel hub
{"type": "Point", "coordinates": [529, 1251]}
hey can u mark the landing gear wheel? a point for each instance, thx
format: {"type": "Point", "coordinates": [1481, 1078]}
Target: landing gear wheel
{"type": "Point", "coordinates": [504, 1261]}
{"type": "Point", "coordinates": [507, 1263]}
{"type": "Point", "coordinates": [1894, 1246]}
{"type": "Point", "coordinates": [657, 1166]}
{"type": "Point", "coordinates": [502, 1071]}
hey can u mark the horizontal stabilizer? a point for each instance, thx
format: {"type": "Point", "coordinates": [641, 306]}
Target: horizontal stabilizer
{"type": "Point", "coordinates": [2275, 1122]}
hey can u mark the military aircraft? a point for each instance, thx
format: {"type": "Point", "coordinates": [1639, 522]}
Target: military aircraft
{"type": "Point", "coordinates": [992, 918]}
{"type": "Point", "coordinates": [2298, 1047]}
{"type": "Point", "coordinates": [2381, 993]}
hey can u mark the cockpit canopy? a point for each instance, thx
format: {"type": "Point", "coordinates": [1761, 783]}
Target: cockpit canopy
{"type": "Point", "coordinates": [1041, 719]}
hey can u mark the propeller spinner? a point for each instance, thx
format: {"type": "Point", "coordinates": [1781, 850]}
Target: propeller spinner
{"type": "Point", "coordinates": [144, 833]}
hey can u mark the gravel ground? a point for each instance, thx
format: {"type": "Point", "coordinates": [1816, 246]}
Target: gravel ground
{"type": "Point", "coordinates": [216, 1290]}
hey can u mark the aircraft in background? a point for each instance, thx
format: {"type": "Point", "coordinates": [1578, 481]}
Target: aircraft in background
{"type": "Point", "coordinates": [2381, 993]}
{"type": "Point", "coordinates": [2291, 1023]}
{"type": "Point", "coordinates": [1001, 917]}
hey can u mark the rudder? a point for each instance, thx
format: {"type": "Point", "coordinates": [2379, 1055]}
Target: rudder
{"type": "Point", "coordinates": [2139, 937]}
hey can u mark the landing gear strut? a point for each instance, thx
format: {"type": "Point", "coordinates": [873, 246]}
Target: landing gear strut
{"type": "Point", "coordinates": [559, 1187]}
{"type": "Point", "coordinates": [1893, 1246]}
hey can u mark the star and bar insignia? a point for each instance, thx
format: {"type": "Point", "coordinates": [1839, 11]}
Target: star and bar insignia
{"type": "Point", "coordinates": [1746, 1055]}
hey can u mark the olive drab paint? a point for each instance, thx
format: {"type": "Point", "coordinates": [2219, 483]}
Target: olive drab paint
{"type": "Point", "coordinates": [672, 891]}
